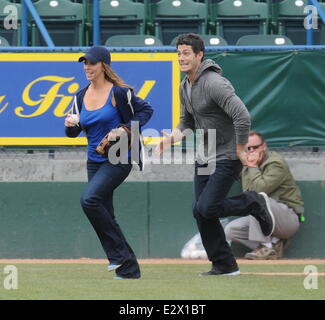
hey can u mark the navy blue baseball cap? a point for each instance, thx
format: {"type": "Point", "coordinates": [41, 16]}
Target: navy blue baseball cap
{"type": "Point", "coordinates": [97, 54]}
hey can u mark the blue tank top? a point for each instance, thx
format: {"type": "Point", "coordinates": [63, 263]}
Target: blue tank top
{"type": "Point", "coordinates": [97, 123]}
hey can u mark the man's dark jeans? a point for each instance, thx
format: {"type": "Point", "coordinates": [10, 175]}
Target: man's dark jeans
{"type": "Point", "coordinates": [211, 204]}
{"type": "Point", "coordinates": [97, 203]}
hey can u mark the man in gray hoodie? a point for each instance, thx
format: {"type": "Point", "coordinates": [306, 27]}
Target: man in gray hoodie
{"type": "Point", "coordinates": [209, 104]}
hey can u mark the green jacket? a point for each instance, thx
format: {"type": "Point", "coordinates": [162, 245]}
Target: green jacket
{"type": "Point", "coordinates": [274, 178]}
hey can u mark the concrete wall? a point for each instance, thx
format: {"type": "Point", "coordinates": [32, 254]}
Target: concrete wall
{"type": "Point", "coordinates": [41, 216]}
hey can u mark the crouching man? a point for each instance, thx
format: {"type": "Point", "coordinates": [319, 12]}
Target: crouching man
{"type": "Point", "coordinates": [267, 172]}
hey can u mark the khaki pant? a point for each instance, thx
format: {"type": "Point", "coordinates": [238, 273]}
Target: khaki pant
{"type": "Point", "coordinates": [247, 230]}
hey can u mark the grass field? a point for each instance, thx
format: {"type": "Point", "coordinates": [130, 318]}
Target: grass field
{"type": "Point", "coordinates": [88, 281]}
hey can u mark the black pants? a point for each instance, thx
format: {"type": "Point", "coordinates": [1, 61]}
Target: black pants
{"type": "Point", "coordinates": [211, 204]}
{"type": "Point", "coordinates": [97, 203]}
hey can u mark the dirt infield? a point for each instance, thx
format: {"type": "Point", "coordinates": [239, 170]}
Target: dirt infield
{"type": "Point", "coordinates": [168, 261]}
{"type": "Point", "coordinates": [162, 261]}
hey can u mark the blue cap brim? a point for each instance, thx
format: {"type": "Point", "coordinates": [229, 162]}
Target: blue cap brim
{"type": "Point", "coordinates": [88, 57]}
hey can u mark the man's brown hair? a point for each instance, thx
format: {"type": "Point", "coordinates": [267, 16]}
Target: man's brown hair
{"type": "Point", "coordinates": [256, 133]}
{"type": "Point", "coordinates": [193, 40]}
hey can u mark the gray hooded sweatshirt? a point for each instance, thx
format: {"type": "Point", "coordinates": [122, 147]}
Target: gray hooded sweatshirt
{"type": "Point", "coordinates": [213, 104]}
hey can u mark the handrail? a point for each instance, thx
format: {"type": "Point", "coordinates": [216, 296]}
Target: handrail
{"type": "Point", "coordinates": [24, 26]}
{"type": "Point", "coordinates": [320, 11]}
{"type": "Point", "coordinates": [96, 24]}
{"type": "Point", "coordinates": [161, 49]}
{"type": "Point", "coordinates": [27, 4]}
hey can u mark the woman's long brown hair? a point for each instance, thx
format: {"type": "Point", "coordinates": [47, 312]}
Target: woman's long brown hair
{"type": "Point", "coordinates": [111, 76]}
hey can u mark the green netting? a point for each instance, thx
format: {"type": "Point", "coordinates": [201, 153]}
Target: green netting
{"type": "Point", "coordinates": [284, 92]}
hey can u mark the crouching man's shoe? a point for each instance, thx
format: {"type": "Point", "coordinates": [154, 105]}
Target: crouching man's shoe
{"type": "Point", "coordinates": [262, 253]}
{"type": "Point", "coordinates": [280, 246]}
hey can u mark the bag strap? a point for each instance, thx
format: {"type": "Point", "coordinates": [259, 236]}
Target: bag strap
{"type": "Point", "coordinates": [129, 96]}
{"type": "Point", "coordinates": [75, 106]}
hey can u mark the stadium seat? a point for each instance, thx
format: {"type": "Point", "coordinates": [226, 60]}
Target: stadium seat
{"type": "Point", "coordinates": [290, 21]}
{"type": "Point", "coordinates": [4, 42]}
{"type": "Point", "coordinates": [232, 19]}
{"type": "Point", "coordinates": [264, 40]}
{"type": "Point", "coordinates": [133, 40]}
{"type": "Point", "coordinates": [119, 17]}
{"type": "Point", "coordinates": [7, 27]}
{"type": "Point", "coordinates": [64, 21]}
{"type": "Point", "coordinates": [209, 40]}
{"type": "Point", "coordinates": [173, 17]}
